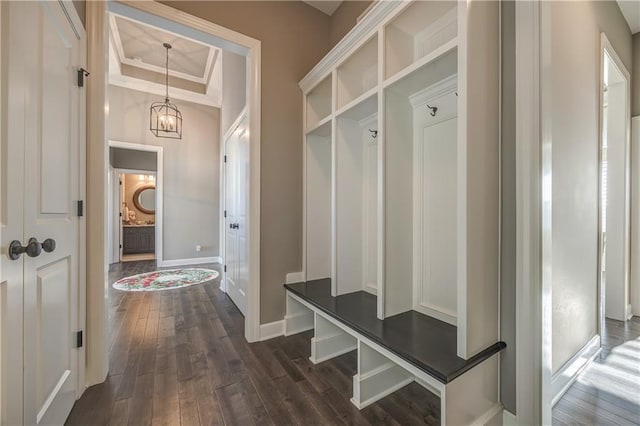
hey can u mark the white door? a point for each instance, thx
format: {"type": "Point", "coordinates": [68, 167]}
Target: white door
{"type": "Point", "coordinates": [236, 195]}
{"type": "Point", "coordinates": [435, 208]}
{"type": "Point", "coordinates": [40, 157]}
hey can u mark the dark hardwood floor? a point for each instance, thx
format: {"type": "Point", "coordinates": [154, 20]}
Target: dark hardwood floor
{"type": "Point", "coordinates": [608, 392]}
{"type": "Point", "coordinates": [178, 357]}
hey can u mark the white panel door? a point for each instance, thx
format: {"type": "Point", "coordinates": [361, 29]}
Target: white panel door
{"type": "Point", "coordinates": [236, 244]}
{"type": "Point", "coordinates": [435, 211]}
{"type": "Point", "coordinates": [41, 153]}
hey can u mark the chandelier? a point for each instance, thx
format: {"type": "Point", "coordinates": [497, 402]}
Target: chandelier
{"type": "Point", "coordinates": [165, 119]}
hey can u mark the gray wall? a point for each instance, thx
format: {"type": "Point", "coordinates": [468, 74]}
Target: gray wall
{"type": "Point", "coordinates": [81, 6]}
{"type": "Point", "coordinates": [234, 88]}
{"type": "Point", "coordinates": [121, 158]}
{"type": "Point", "coordinates": [191, 170]}
{"type": "Point", "coordinates": [508, 231]}
{"type": "Point", "coordinates": [345, 17]}
{"type": "Point", "coordinates": [575, 104]}
{"type": "Point", "coordinates": [635, 77]}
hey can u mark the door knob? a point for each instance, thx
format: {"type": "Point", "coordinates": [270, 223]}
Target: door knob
{"type": "Point", "coordinates": [32, 249]}
{"type": "Point", "coordinates": [49, 245]}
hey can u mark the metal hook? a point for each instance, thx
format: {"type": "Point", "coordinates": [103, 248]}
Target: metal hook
{"type": "Point", "coordinates": [374, 133]}
{"type": "Point", "coordinates": [434, 110]}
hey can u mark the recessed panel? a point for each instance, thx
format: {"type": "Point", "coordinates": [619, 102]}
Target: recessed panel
{"type": "Point", "coordinates": [439, 177]}
{"type": "Point", "coordinates": [56, 129]}
{"type": "Point", "coordinates": [53, 330]}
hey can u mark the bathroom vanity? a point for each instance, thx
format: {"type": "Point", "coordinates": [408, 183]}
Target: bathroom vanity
{"type": "Point", "coordinates": [138, 239]}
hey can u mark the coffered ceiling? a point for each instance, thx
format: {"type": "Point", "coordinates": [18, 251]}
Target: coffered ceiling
{"type": "Point", "coordinates": [138, 58]}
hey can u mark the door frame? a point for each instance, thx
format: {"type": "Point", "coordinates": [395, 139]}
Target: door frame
{"type": "Point", "coordinates": [533, 213]}
{"type": "Point", "coordinates": [97, 166]}
{"type": "Point", "coordinates": [606, 49]}
{"type": "Point", "coordinates": [159, 173]}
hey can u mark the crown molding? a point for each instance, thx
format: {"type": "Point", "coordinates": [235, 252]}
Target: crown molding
{"type": "Point", "coordinates": [360, 34]}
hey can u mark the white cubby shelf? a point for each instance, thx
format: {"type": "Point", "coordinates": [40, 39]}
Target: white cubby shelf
{"type": "Point", "coordinates": [401, 192]}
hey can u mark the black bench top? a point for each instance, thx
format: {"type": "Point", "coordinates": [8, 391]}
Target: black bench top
{"type": "Point", "coordinates": [421, 340]}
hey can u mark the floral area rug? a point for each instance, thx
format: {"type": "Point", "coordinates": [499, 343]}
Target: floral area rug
{"type": "Point", "coordinates": [165, 280]}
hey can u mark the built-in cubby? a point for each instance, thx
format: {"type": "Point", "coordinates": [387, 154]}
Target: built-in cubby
{"type": "Point", "coordinates": [357, 198]}
{"type": "Point", "coordinates": [421, 167]}
{"type": "Point", "coordinates": [358, 74]}
{"type": "Point", "coordinates": [419, 30]}
{"type": "Point", "coordinates": [401, 198]}
{"type": "Point", "coordinates": [318, 201]}
{"type": "Point", "coordinates": [319, 103]}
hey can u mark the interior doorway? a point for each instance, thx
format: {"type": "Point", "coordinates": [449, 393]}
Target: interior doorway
{"type": "Point", "coordinates": [135, 207]}
{"type": "Point", "coordinates": [614, 187]}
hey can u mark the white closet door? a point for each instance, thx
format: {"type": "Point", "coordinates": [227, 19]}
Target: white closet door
{"type": "Point", "coordinates": [237, 190]}
{"type": "Point", "coordinates": [42, 155]}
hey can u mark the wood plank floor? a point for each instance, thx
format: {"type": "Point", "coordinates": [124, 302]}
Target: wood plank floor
{"type": "Point", "coordinates": [608, 392]}
{"type": "Point", "coordinates": [178, 357]}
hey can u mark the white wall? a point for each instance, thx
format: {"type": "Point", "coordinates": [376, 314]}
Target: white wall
{"type": "Point", "coordinates": [575, 105]}
{"type": "Point", "coordinates": [234, 89]}
{"type": "Point", "coordinates": [191, 170]}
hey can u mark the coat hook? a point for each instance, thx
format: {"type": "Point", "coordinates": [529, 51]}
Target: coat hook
{"type": "Point", "coordinates": [374, 133]}
{"type": "Point", "coordinates": [456, 93]}
{"type": "Point", "coordinates": [434, 110]}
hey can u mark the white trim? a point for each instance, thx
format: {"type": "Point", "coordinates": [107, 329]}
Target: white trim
{"type": "Point", "coordinates": [159, 214]}
{"type": "Point", "coordinates": [634, 297]}
{"type": "Point", "coordinates": [97, 164]}
{"type": "Point", "coordinates": [569, 372]}
{"type": "Point", "coordinates": [489, 416]}
{"type": "Point", "coordinates": [442, 87]}
{"type": "Point", "coordinates": [191, 261]}
{"type": "Point", "coordinates": [159, 89]}
{"type": "Point", "coordinates": [606, 49]}
{"type": "Point", "coordinates": [509, 419]}
{"type": "Point", "coordinates": [271, 330]}
{"type": "Point", "coordinates": [530, 384]}
{"type": "Point", "coordinates": [359, 35]}
{"type": "Point", "coordinates": [241, 116]}
{"type": "Point", "coordinates": [294, 277]}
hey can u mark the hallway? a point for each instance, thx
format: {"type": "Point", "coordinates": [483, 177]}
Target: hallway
{"type": "Point", "coordinates": [179, 357]}
{"type": "Point", "coordinates": [608, 392]}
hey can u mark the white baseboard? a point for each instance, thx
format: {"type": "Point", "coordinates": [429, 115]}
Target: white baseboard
{"type": "Point", "coordinates": [491, 417]}
{"type": "Point", "coordinates": [294, 277]}
{"type": "Point", "coordinates": [271, 330]}
{"type": "Point", "coordinates": [509, 419]}
{"type": "Point", "coordinates": [567, 375]}
{"type": "Point", "coordinates": [629, 311]}
{"type": "Point", "coordinates": [193, 261]}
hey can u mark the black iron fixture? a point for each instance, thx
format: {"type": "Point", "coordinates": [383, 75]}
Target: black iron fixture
{"type": "Point", "coordinates": [434, 110]}
{"type": "Point", "coordinates": [165, 118]}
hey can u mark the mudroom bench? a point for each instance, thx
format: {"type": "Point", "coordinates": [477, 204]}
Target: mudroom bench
{"type": "Point", "coordinates": [395, 351]}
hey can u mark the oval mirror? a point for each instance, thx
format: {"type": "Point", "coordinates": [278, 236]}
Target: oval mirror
{"type": "Point", "coordinates": [145, 199]}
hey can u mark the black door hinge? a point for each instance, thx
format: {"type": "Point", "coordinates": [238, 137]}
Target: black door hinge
{"type": "Point", "coordinates": [120, 214]}
{"type": "Point", "coordinates": [82, 73]}
{"type": "Point", "coordinates": [225, 158]}
{"type": "Point", "coordinates": [80, 208]}
{"type": "Point", "coordinates": [79, 337]}
{"type": "Point", "coordinates": [225, 213]}
{"type": "Point", "coordinates": [225, 268]}
{"type": "Point", "coordinates": [120, 245]}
